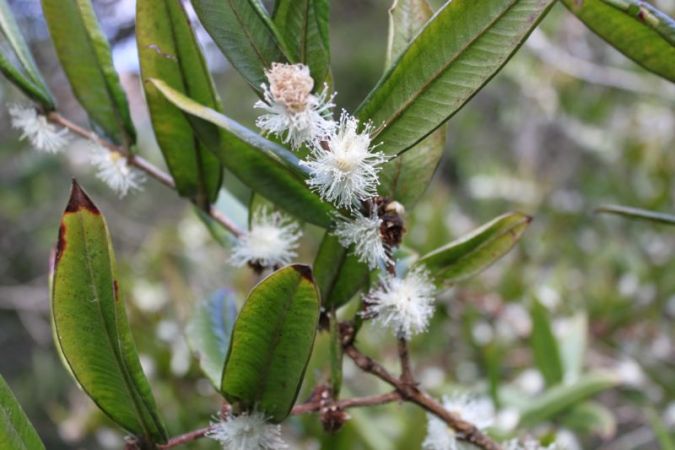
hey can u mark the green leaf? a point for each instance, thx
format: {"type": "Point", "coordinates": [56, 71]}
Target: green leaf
{"type": "Point", "coordinates": [208, 333]}
{"type": "Point", "coordinates": [635, 28]}
{"type": "Point", "coordinates": [591, 417]}
{"type": "Point", "coordinates": [304, 25]}
{"type": "Point", "coordinates": [572, 342]}
{"type": "Point", "coordinates": [474, 252]}
{"type": "Point", "coordinates": [85, 56]}
{"type": "Point", "coordinates": [91, 324]}
{"type": "Point", "coordinates": [663, 433]}
{"type": "Point", "coordinates": [245, 33]}
{"type": "Point", "coordinates": [18, 64]}
{"type": "Point", "coordinates": [544, 345]}
{"type": "Point", "coordinates": [338, 272]}
{"type": "Point", "coordinates": [457, 52]}
{"type": "Point", "coordinates": [169, 50]}
{"type": "Point", "coordinates": [272, 342]}
{"type": "Point", "coordinates": [16, 431]}
{"type": "Point", "coordinates": [406, 177]}
{"type": "Point", "coordinates": [562, 397]}
{"type": "Point", "coordinates": [264, 166]}
{"type": "Point", "coordinates": [636, 213]}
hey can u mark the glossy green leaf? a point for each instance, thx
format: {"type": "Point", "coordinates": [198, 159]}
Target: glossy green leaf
{"type": "Point", "coordinates": [271, 343]}
{"type": "Point", "coordinates": [169, 51]}
{"type": "Point", "coordinates": [562, 397]}
{"type": "Point", "coordinates": [304, 25]}
{"type": "Point", "coordinates": [636, 213]}
{"type": "Point", "coordinates": [245, 33]}
{"type": "Point", "coordinates": [86, 59]}
{"type": "Point", "coordinates": [406, 177]}
{"type": "Point", "coordinates": [16, 431]}
{"type": "Point", "coordinates": [544, 345]}
{"type": "Point", "coordinates": [91, 325]}
{"type": "Point", "coordinates": [635, 28]}
{"type": "Point", "coordinates": [264, 166]}
{"type": "Point", "coordinates": [209, 330]}
{"type": "Point", "coordinates": [16, 62]}
{"type": "Point", "coordinates": [338, 272]}
{"type": "Point", "coordinates": [457, 52]}
{"type": "Point", "coordinates": [470, 254]}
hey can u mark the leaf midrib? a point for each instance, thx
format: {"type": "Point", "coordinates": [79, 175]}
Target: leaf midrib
{"type": "Point", "coordinates": [412, 98]}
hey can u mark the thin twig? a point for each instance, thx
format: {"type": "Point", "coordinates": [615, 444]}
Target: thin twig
{"type": "Point", "coordinates": [140, 163]}
{"type": "Point", "coordinates": [185, 438]}
{"type": "Point", "coordinates": [466, 430]}
{"type": "Point", "coordinates": [370, 400]}
{"type": "Point", "coordinates": [404, 357]}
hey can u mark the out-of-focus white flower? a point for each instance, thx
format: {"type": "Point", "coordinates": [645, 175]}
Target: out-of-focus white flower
{"type": "Point", "coordinates": [364, 233]}
{"type": "Point", "coordinates": [247, 432]}
{"type": "Point", "coordinates": [292, 111]}
{"type": "Point", "coordinates": [404, 305]}
{"type": "Point", "coordinates": [345, 171]}
{"type": "Point", "coordinates": [477, 410]}
{"type": "Point", "coordinates": [114, 170]}
{"type": "Point", "coordinates": [271, 241]}
{"type": "Point", "coordinates": [42, 135]}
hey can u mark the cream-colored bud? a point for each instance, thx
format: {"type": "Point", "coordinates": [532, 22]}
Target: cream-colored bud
{"type": "Point", "coordinates": [291, 85]}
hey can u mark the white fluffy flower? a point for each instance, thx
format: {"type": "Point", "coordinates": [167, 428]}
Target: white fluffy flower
{"type": "Point", "coordinates": [364, 233]}
{"type": "Point", "coordinates": [42, 135]}
{"type": "Point", "coordinates": [405, 305]}
{"type": "Point", "coordinates": [477, 410]}
{"type": "Point", "coordinates": [113, 169]}
{"type": "Point", "coordinates": [247, 432]}
{"type": "Point", "coordinates": [292, 111]}
{"type": "Point", "coordinates": [271, 241]}
{"type": "Point", "coordinates": [346, 171]}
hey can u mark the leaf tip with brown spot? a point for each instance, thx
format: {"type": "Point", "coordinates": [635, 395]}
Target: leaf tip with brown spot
{"type": "Point", "coordinates": [79, 199]}
{"type": "Point", "coordinates": [304, 271]}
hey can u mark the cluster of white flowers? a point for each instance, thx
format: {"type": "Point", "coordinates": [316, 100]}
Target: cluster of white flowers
{"type": "Point", "coordinates": [477, 410]}
{"type": "Point", "coordinates": [343, 168]}
{"type": "Point", "coordinates": [112, 167]}
{"type": "Point", "coordinates": [42, 135]}
{"type": "Point", "coordinates": [272, 241]}
{"type": "Point", "coordinates": [247, 432]}
{"type": "Point", "coordinates": [404, 305]}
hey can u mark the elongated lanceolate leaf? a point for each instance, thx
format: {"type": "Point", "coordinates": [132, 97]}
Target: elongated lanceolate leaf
{"type": "Point", "coordinates": [271, 343]}
{"type": "Point", "coordinates": [91, 324]}
{"type": "Point", "coordinates": [85, 56]}
{"type": "Point", "coordinates": [544, 345]}
{"type": "Point", "coordinates": [470, 254]}
{"type": "Point", "coordinates": [635, 28]}
{"type": "Point", "coordinates": [406, 177]}
{"type": "Point", "coordinates": [245, 33]}
{"type": "Point", "coordinates": [209, 332]}
{"type": "Point", "coordinates": [16, 61]}
{"type": "Point", "coordinates": [640, 214]}
{"type": "Point", "coordinates": [169, 51]}
{"type": "Point", "coordinates": [562, 397]}
{"type": "Point", "coordinates": [458, 51]}
{"type": "Point", "coordinates": [304, 25]}
{"type": "Point", "coordinates": [16, 431]}
{"type": "Point", "coordinates": [267, 168]}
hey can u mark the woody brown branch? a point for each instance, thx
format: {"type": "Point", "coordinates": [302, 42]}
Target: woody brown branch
{"type": "Point", "coordinates": [141, 164]}
{"type": "Point", "coordinates": [409, 392]}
